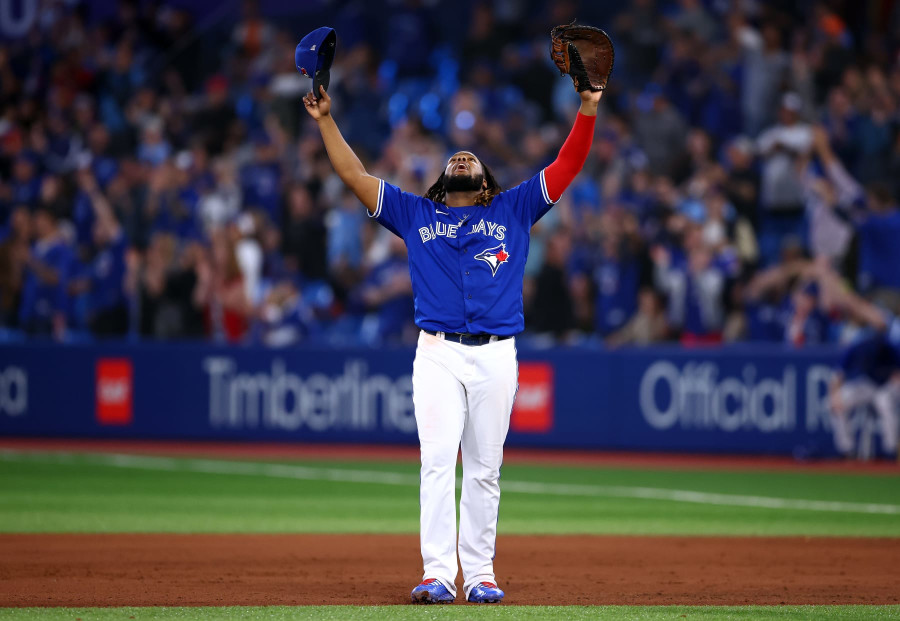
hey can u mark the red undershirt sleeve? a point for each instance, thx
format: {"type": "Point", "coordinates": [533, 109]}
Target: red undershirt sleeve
{"type": "Point", "coordinates": [571, 158]}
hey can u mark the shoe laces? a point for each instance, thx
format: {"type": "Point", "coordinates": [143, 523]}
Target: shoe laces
{"type": "Point", "coordinates": [489, 584]}
{"type": "Point", "coordinates": [429, 581]}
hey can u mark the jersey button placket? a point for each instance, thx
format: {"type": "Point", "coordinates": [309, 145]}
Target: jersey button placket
{"type": "Point", "coordinates": [466, 296]}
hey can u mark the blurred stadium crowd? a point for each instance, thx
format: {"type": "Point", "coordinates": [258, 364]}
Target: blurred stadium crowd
{"type": "Point", "coordinates": [158, 182]}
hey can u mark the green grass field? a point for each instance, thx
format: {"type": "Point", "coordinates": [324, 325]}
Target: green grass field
{"type": "Point", "coordinates": [49, 492]}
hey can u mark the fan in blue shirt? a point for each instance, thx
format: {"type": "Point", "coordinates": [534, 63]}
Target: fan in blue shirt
{"type": "Point", "coordinates": [44, 292]}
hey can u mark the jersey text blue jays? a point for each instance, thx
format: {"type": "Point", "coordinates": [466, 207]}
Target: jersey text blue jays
{"type": "Point", "coordinates": [467, 264]}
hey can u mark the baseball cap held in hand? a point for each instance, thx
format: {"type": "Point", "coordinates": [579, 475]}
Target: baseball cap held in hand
{"type": "Point", "coordinates": [314, 55]}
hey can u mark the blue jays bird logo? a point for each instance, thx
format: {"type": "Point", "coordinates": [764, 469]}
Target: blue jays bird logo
{"type": "Point", "coordinates": [494, 257]}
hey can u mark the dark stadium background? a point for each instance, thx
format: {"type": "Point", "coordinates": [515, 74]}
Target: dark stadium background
{"type": "Point", "coordinates": [159, 181]}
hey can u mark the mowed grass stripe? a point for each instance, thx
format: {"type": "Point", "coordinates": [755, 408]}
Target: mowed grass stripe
{"type": "Point", "coordinates": [460, 612]}
{"type": "Point", "coordinates": [307, 473]}
{"type": "Point", "coordinates": [70, 493]}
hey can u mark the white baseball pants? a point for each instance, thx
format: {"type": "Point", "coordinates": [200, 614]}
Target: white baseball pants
{"type": "Point", "coordinates": [463, 396]}
{"type": "Point", "coordinates": [862, 391]}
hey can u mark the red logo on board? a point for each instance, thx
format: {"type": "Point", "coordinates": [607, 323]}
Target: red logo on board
{"type": "Point", "coordinates": [114, 391]}
{"type": "Point", "coordinates": [533, 410]}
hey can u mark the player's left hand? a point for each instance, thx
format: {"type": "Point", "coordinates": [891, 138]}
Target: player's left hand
{"type": "Point", "coordinates": [589, 102]}
{"type": "Point", "coordinates": [590, 96]}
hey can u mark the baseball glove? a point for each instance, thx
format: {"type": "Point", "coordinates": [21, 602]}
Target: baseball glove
{"type": "Point", "coordinates": [585, 53]}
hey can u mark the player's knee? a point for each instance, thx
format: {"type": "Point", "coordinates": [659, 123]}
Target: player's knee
{"type": "Point", "coordinates": [485, 477]}
{"type": "Point", "coordinates": [438, 462]}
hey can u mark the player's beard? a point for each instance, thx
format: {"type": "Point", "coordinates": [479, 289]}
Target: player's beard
{"type": "Point", "coordinates": [463, 183]}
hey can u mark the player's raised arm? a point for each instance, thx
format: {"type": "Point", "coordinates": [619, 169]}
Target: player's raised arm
{"type": "Point", "coordinates": [586, 54]}
{"type": "Point", "coordinates": [574, 151]}
{"type": "Point", "coordinates": [346, 164]}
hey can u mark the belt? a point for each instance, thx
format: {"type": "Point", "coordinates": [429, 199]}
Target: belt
{"type": "Point", "coordinates": [467, 339]}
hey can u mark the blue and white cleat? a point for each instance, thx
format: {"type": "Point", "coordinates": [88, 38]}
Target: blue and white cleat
{"type": "Point", "coordinates": [431, 591]}
{"type": "Point", "coordinates": [486, 593]}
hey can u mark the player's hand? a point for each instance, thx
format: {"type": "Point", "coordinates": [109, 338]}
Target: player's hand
{"type": "Point", "coordinates": [590, 96]}
{"type": "Point", "coordinates": [589, 101]}
{"type": "Point", "coordinates": [836, 403]}
{"type": "Point", "coordinates": [318, 107]}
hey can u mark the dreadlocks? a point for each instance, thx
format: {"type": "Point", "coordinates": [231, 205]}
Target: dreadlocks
{"type": "Point", "coordinates": [438, 191]}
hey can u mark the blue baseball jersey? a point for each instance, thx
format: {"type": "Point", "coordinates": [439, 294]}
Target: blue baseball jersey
{"type": "Point", "coordinates": [466, 264]}
{"type": "Point", "coordinates": [874, 357]}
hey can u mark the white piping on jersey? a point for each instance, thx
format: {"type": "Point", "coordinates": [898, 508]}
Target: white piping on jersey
{"type": "Point", "coordinates": [544, 190]}
{"type": "Point", "coordinates": [377, 213]}
{"type": "Point", "coordinates": [380, 200]}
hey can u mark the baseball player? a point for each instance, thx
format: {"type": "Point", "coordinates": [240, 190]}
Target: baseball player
{"type": "Point", "coordinates": [467, 242]}
{"type": "Point", "coordinates": [868, 373]}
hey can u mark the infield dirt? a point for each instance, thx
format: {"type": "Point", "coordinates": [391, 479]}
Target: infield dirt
{"type": "Point", "coordinates": [218, 570]}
